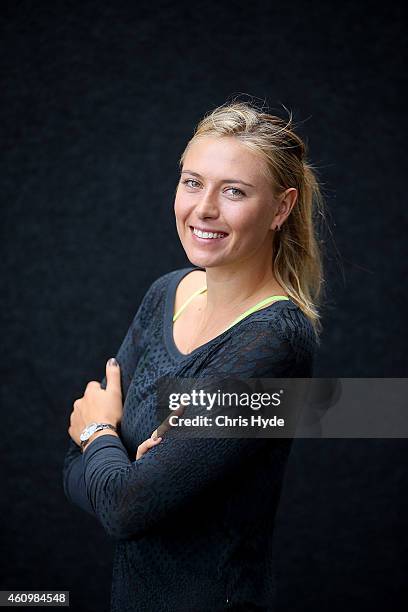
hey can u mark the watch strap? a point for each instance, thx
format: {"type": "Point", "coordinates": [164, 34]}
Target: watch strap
{"type": "Point", "coordinates": [99, 427]}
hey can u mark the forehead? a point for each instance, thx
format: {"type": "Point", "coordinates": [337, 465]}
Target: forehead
{"type": "Point", "coordinates": [212, 155]}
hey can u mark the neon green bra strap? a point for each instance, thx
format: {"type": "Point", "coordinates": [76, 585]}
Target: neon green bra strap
{"type": "Point", "coordinates": [256, 307]}
{"type": "Point", "coordinates": [245, 314]}
{"type": "Point", "coordinates": [180, 310]}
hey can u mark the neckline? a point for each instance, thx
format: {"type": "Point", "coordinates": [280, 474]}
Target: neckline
{"type": "Point", "coordinates": [170, 344]}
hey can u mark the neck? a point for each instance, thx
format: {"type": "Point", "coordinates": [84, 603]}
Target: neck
{"type": "Point", "coordinates": [232, 288]}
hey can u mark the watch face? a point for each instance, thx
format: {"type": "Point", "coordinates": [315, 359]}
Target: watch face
{"type": "Point", "coordinates": [88, 431]}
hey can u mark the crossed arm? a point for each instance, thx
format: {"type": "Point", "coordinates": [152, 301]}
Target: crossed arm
{"type": "Point", "coordinates": [127, 496]}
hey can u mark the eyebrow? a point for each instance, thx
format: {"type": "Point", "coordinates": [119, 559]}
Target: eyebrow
{"type": "Point", "coordinates": [224, 181]}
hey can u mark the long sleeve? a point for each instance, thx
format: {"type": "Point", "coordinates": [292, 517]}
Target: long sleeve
{"type": "Point", "coordinates": [127, 356]}
{"type": "Point", "coordinates": [129, 497]}
{"type": "Point", "coordinates": [73, 478]}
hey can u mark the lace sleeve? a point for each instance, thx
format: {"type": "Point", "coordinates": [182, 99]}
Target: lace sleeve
{"type": "Point", "coordinates": [127, 356]}
{"type": "Point", "coordinates": [130, 497]}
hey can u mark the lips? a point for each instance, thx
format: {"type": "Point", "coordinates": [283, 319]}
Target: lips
{"type": "Point", "coordinates": [208, 230]}
{"type": "Point", "coordinates": [207, 241]}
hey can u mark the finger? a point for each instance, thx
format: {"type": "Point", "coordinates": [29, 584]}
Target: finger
{"type": "Point", "coordinates": [150, 442]}
{"type": "Point", "coordinates": [166, 425]}
{"type": "Point", "coordinates": [113, 376]}
{"type": "Point", "coordinates": [163, 428]}
{"type": "Point", "coordinates": [92, 384]}
{"type": "Point", "coordinates": [144, 447]}
{"type": "Point", "coordinates": [179, 411]}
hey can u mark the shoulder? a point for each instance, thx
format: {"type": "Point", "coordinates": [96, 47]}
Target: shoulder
{"type": "Point", "coordinates": [194, 279]}
{"type": "Point", "coordinates": [289, 322]}
{"type": "Point", "coordinates": [186, 278]}
{"type": "Point", "coordinates": [275, 341]}
{"type": "Point", "coordinates": [154, 297]}
{"type": "Point", "coordinates": [186, 284]}
{"type": "Point", "coordinates": [286, 327]}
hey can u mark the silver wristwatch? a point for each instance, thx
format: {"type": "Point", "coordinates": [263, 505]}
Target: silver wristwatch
{"type": "Point", "coordinates": [91, 429]}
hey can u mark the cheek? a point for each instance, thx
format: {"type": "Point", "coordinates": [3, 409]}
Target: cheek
{"type": "Point", "coordinates": [180, 206]}
{"type": "Point", "coordinates": [245, 222]}
{"type": "Point", "coordinates": [252, 226]}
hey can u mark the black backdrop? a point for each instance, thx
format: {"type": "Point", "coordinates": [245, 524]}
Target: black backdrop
{"type": "Point", "coordinates": [98, 102]}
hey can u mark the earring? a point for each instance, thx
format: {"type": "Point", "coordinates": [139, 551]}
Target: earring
{"type": "Point", "coordinates": [277, 228]}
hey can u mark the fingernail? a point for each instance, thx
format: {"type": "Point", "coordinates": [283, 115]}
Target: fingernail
{"type": "Point", "coordinates": [112, 361]}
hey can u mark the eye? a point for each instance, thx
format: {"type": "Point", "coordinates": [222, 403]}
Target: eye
{"type": "Point", "coordinates": [189, 181]}
{"type": "Point", "coordinates": [236, 195]}
{"type": "Point", "coordinates": [239, 192]}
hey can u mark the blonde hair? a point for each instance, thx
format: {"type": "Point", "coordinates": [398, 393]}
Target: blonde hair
{"type": "Point", "coordinates": [297, 256]}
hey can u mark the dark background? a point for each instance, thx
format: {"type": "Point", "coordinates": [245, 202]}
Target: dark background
{"type": "Point", "coordinates": [98, 102]}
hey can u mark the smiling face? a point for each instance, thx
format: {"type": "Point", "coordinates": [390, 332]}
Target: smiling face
{"type": "Point", "coordinates": [223, 188]}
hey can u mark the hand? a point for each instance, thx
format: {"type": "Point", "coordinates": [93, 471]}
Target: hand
{"type": "Point", "coordinates": [155, 438]}
{"type": "Point", "coordinates": [97, 404]}
{"type": "Point", "coordinates": [149, 443]}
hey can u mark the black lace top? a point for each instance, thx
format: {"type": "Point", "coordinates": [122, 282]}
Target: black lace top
{"type": "Point", "coordinates": [192, 519]}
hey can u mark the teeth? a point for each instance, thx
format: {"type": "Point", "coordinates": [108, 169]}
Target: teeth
{"type": "Point", "coordinates": [201, 234]}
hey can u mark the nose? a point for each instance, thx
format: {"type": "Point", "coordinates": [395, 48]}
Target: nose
{"type": "Point", "coordinates": [207, 206]}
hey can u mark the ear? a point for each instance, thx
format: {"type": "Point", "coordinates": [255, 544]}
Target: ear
{"type": "Point", "coordinates": [285, 203]}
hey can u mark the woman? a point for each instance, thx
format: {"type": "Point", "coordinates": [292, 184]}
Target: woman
{"type": "Point", "coordinates": [192, 518]}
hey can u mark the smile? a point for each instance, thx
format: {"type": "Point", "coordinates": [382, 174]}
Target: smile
{"type": "Point", "coordinates": [207, 236]}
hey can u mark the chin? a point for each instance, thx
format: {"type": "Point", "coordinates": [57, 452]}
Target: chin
{"type": "Point", "coordinates": [196, 260]}
{"type": "Point", "coordinates": [204, 261]}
